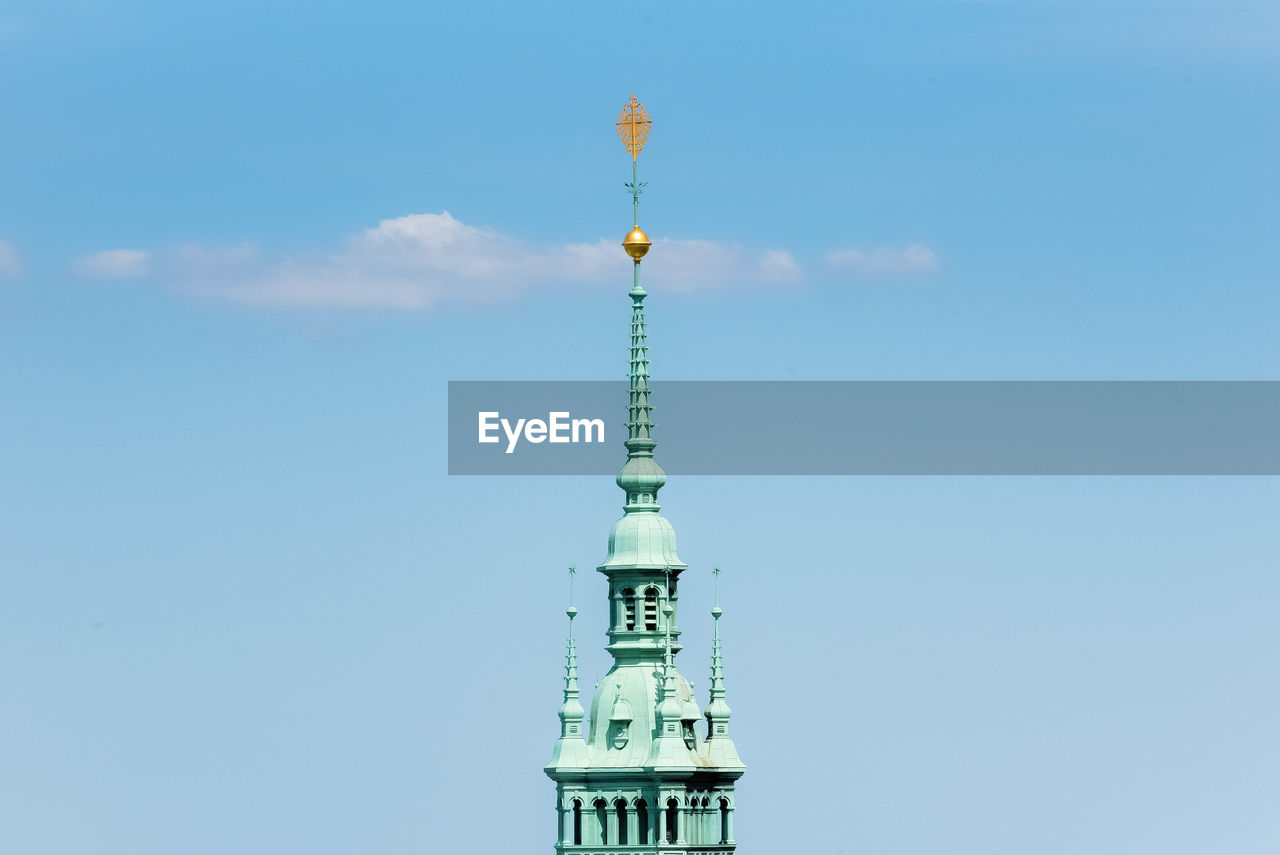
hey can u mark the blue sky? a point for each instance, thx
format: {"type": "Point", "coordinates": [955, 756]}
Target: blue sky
{"type": "Point", "coordinates": [243, 609]}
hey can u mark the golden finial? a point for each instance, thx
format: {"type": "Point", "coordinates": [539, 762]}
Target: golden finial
{"type": "Point", "coordinates": [634, 125]}
{"type": "Point", "coordinates": [636, 243]}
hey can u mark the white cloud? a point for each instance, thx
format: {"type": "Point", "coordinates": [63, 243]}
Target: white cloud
{"type": "Point", "coordinates": [115, 264]}
{"type": "Point", "coordinates": [779, 265]}
{"type": "Point", "coordinates": [421, 260]}
{"type": "Point", "coordinates": [692, 265]}
{"type": "Point", "coordinates": [10, 264]}
{"type": "Point", "coordinates": [884, 261]}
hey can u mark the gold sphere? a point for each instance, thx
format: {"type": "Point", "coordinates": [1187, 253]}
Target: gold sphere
{"type": "Point", "coordinates": [636, 243]}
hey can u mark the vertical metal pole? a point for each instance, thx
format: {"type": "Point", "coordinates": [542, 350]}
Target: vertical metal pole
{"type": "Point", "coordinates": [635, 218]}
{"type": "Point", "coordinates": [635, 195]}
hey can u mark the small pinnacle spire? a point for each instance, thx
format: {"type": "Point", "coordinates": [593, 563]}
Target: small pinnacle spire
{"type": "Point", "coordinates": [571, 658]}
{"type": "Point", "coordinates": [717, 664]}
{"type": "Point", "coordinates": [669, 748]}
{"type": "Point", "coordinates": [571, 748]}
{"type": "Point", "coordinates": [720, 748]}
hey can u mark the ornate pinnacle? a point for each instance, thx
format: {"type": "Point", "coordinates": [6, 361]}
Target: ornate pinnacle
{"type": "Point", "coordinates": [669, 708]}
{"type": "Point", "coordinates": [720, 748]}
{"type": "Point", "coordinates": [571, 748]}
{"type": "Point", "coordinates": [634, 125]}
{"type": "Point", "coordinates": [717, 665]}
{"type": "Point", "coordinates": [641, 477]}
{"type": "Point", "coordinates": [572, 709]}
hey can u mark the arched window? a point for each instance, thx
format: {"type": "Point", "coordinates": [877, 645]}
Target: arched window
{"type": "Point", "coordinates": [577, 822]}
{"type": "Point", "coordinates": [673, 816]}
{"type": "Point", "coordinates": [642, 823]}
{"type": "Point", "coordinates": [629, 608]}
{"type": "Point", "coordinates": [724, 820]}
{"type": "Point", "coordinates": [651, 609]}
{"type": "Point", "coordinates": [602, 817]}
{"type": "Point", "coordinates": [620, 806]}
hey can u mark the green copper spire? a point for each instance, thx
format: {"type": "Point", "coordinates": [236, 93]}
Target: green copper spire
{"type": "Point", "coordinates": [571, 748]}
{"type": "Point", "coordinates": [717, 668]}
{"type": "Point", "coordinates": [637, 780]}
{"type": "Point", "coordinates": [642, 538]}
{"type": "Point", "coordinates": [641, 477]}
{"type": "Point", "coordinates": [720, 748]}
{"type": "Point", "coordinates": [669, 750]}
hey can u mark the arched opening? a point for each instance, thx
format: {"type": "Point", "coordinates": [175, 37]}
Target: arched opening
{"type": "Point", "coordinates": [651, 610]}
{"type": "Point", "coordinates": [724, 820]}
{"type": "Point", "coordinates": [620, 806]}
{"type": "Point", "coordinates": [642, 823]}
{"type": "Point", "coordinates": [602, 818]}
{"type": "Point", "coordinates": [577, 822]}
{"type": "Point", "coordinates": [673, 816]}
{"type": "Point", "coordinates": [629, 608]}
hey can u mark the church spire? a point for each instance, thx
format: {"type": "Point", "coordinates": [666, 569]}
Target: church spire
{"type": "Point", "coordinates": [642, 781]}
{"type": "Point", "coordinates": [571, 747]}
{"type": "Point", "coordinates": [642, 539]}
{"type": "Point", "coordinates": [717, 667]}
{"type": "Point", "coordinates": [720, 748]}
{"type": "Point", "coordinates": [641, 477]}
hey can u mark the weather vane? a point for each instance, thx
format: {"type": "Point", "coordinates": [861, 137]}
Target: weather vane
{"type": "Point", "coordinates": [634, 125]}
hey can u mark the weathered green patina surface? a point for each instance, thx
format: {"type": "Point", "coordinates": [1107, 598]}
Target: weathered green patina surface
{"type": "Point", "coordinates": [642, 774]}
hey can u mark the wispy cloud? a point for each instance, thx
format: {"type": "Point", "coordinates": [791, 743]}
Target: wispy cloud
{"type": "Point", "coordinates": [694, 265]}
{"type": "Point", "coordinates": [10, 264]}
{"type": "Point", "coordinates": [423, 260]}
{"type": "Point", "coordinates": [115, 264]}
{"type": "Point", "coordinates": [912, 258]}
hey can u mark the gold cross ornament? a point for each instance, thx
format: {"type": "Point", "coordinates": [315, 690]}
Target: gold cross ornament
{"type": "Point", "coordinates": [634, 125]}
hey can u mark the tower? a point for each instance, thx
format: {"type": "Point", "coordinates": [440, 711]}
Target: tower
{"type": "Point", "coordinates": [636, 775]}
